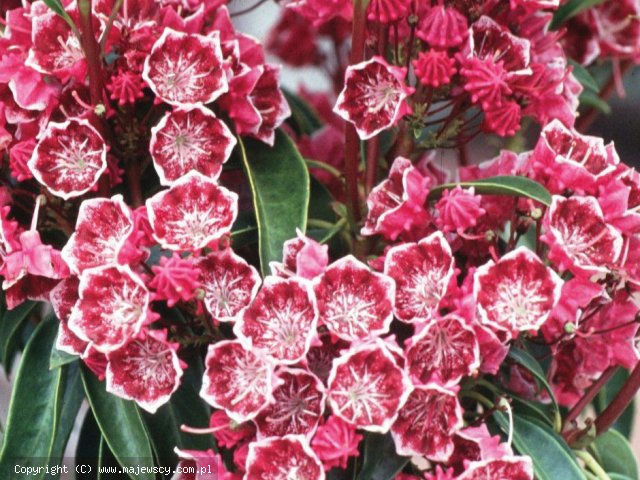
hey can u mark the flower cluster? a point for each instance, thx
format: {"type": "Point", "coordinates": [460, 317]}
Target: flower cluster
{"type": "Point", "coordinates": [498, 59]}
{"type": "Point", "coordinates": [120, 126]}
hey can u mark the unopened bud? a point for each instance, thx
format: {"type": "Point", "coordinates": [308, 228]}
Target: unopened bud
{"type": "Point", "coordinates": [536, 213]}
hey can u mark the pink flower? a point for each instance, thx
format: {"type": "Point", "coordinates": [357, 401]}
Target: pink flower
{"type": "Point", "coordinates": [397, 205]}
{"type": "Point", "coordinates": [458, 210]}
{"type": "Point", "coordinates": [335, 441]}
{"type": "Point", "coordinates": [175, 280]}
{"type": "Point", "coordinates": [229, 433]}
{"type": "Point", "coordinates": [146, 370]}
{"type": "Point", "coordinates": [374, 96]}
{"type": "Point", "coordinates": [434, 68]}
{"type": "Point", "coordinates": [443, 27]}
{"type": "Point", "coordinates": [503, 118]}
{"type": "Point", "coordinates": [387, 11]}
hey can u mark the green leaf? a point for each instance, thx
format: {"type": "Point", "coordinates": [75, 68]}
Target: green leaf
{"type": "Point", "coordinates": [185, 408]}
{"type": "Point", "coordinates": [106, 461]}
{"type": "Point", "coordinates": [304, 119]}
{"type": "Point", "coordinates": [591, 99]}
{"type": "Point", "coordinates": [59, 358]}
{"type": "Point", "coordinates": [35, 406]}
{"type": "Point", "coordinates": [280, 185]}
{"type": "Point", "coordinates": [531, 409]}
{"type": "Point", "coordinates": [570, 9]}
{"type": "Point", "coordinates": [121, 425]}
{"type": "Point", "coordinates": [551, 456]}
{"type": "Point", "coordinates": [514, 186]}
{"type": "Point", "coordinates": [88, 448]}
{"type": "Point", "coordinates": [531, 364]}
{"type": "Point", "coordinates": [617, 476]}
{"type": "Point", "coordinates": [10, 329]}
{"type": "Point", "coordinates": [58, 8]}
{"type": "Point", "coordinates": [71, 402]}
{"type": "Point", "coordinates": [380, 460]}
{"type": "Point", "coordinates": [584, 77]}
{"type": "Point", "coordinates": [615, 455]}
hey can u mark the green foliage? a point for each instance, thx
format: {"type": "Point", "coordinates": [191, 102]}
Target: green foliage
{"type": "Point", "coordinates": [279, 182]}
{"type": "Point", "coordinates": [502, 185]}
{"type": "Point", "coordinates": [120, 424]}
{"type": "Point", "coordinates": [614, 454]}
{"type": "Point", "coordinates": [12, 325]}
{"type": "Point", "coordinates": [380, 460]}
{"type": "Point", "coordinates": [36, 406]}
{"type": "Point", "coordinates": [531, 364]}
{"type": "Point", "coordinates": [552, 458]}
{"type": "Point", "coordinates": [570, 9]}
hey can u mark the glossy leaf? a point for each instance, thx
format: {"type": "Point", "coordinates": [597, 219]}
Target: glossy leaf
{"type": "Point", "coordinates": [121, 425]}
{"type": "Point", "coordinates": [583, 76]}
{"type": "Point", "coordinates": [591, 99]}
{"type": "Point", "coordinates": [614, 454]}
{"type": "Point", "coordinates": [380, 460]}
{"type": "Point", "coordinates": [35, 405]}
{"type": "Point", "coordinates": [514, 186]}
{"type": "Point", "coordinates": [531, 364]}
{"type": "Point", "coordinates": [57, 7]}
{"type": "Point", "coordinates": [551, 456]}
{"type": "Point", "coordinates": [184, 408]}
{"type": "Point", "coordinates": [59, 358]}
{"type": "Point", "coordinates": [10, 331]}
{"type": "Point", "coordinates": [304, 119]}
{"type": "Point", "coordinates": [88, 448]}
{"type": "Point", "coordinates": [280, 186]}
{"type": "Point", "coordinates": [71, 402]}
{"type": "Point", "coordinates": [570, 9]}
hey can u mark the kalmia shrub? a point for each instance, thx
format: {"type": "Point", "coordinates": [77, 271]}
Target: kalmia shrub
{"type": "Point", "coordinates": [166, 254]}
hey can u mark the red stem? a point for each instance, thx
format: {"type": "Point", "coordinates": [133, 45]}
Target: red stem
{"type": "Point", "coordinates": [92, 55]}
{"type": "Point", "coordinates": [589, 395]}
{"type": "Point", "coordinates": [352, 141]}
{"type": "Point", "coordinates": [91, 51]}
{"type": "Point", "coordinates": [373, 151]}
{"type": "Point", "coordinates": [620, 402]}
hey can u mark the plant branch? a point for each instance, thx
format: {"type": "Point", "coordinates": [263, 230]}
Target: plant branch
{"type": "Point", "coordinates": [619, 404]}
{"type": "Point", "coordinates": [352, 141]}
{"type": "Point", "coordinates": [589, 395]}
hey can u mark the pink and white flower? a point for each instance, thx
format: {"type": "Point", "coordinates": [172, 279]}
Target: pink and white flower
{"type": "Point", "coordinates": [102, 228]}
{"type": "Point", "coordinates": [298, 405]}
{"type": "Point", "coordinates": [422, 272]}
{"type": "Point", "coordinates": [354, 302]}
{"type": "Point", "coordinates": [374, 97]}
{"type": "Point", "coordinates": [517, 293]}
{"type": "Point", "coordinates": [443, 351]}
{"type": "Point", "coordinates": [427, 422]}
{"type": "Point", "coordinates": [280, 458]}
{"type": "Point", "coordinates": [367, 388]}
{"type": "Point", "coordinates": [186, 69]}
{"type": "Point", "coordinates": [145, 370]}
{"type": "Point", "coordinates": [281, 321]}
{"type": "Point", "coordinates": [186, 140]}
{"type": "Point", "coordinates": [69, 158]}
{"type": "Point", "coordinates": [111, 308]}
{"type": "Point", "coordinates": [237, 380]}
{"type": "Point", "coordinates": [229, 284]}
{"type": "Point", "coordinates": [192, 213]}
{"type": "Point", "coordinates": [579, 239]}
